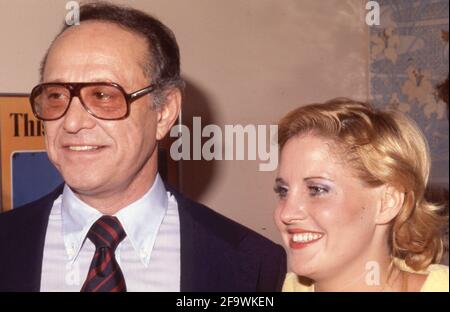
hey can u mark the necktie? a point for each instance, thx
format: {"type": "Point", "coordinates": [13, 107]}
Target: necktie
{"type": "Point", "coordinates": [104, 273]}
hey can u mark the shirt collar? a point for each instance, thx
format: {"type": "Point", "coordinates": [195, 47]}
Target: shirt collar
{"type": "Point", "coordinates": [141, 220]}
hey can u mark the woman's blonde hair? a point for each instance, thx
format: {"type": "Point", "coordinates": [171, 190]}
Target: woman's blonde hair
{"type": "Point", "coordinates": [383, 148]}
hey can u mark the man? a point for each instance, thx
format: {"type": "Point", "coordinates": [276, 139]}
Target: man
{"type": "Point", "coordinates": [111, 89]}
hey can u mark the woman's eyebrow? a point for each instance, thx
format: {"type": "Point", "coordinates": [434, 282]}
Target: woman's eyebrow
{"type": "Point", "coordinates": [279, 180]}
{"type": "Point", "coordinates": [317, 177]}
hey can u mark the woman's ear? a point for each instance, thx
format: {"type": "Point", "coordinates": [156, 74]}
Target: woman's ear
{"type": "Point", "coordinates": [168, 113]}
{"type": "Point", "coordinates": [391, 202]}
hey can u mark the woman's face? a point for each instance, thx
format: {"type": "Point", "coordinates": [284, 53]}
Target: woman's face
{"type": "Point", "coordinates": [326, 215]}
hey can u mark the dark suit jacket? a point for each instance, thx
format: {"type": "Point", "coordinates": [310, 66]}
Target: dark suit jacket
{"type": "Point", "coordinates": [217, 254]}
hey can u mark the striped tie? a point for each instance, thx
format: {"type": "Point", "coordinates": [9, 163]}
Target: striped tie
{"type": "Point", "coordinates": [104, 273]}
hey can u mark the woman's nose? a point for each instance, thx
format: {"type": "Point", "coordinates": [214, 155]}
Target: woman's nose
{"type": "Point", "coordinates": [294, 209]}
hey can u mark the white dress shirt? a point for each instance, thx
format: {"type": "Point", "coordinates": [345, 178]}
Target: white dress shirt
{"type": "Point", "coordinates": [149, 256]}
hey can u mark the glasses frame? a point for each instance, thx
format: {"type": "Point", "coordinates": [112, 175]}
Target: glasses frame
{"type": "Point", "coordinates": [75, 91]}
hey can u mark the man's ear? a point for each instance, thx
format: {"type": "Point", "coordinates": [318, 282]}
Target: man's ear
{"type": "Point", "coordinates": [391, 202]}
{"type": "Point", "coordinates": [168, 113]}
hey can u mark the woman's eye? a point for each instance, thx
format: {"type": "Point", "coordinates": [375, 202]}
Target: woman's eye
{"type": "Point", "coordinates": [316, 190]}
{"type": "Point", "coordinates": [281, 191]}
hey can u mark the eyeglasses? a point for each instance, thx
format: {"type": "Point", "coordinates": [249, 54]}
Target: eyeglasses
{"type": "Point", "coordinates": [103, 100]}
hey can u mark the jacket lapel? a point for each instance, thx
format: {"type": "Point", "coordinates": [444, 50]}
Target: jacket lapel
{"type": "Point", "coordinates": [25, 275]}
{"type": "Point", "coordinates": [210, 262]}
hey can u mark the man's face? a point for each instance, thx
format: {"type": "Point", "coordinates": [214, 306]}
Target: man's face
{"type": "Point", "coordinates": [102, 157]}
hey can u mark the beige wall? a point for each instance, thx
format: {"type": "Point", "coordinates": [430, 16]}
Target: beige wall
{"type": "Point", "coordinates": [245, 61]}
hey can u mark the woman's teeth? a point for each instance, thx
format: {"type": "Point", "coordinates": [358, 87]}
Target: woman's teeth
{"type": "Point", "coordinates": [305, 237]}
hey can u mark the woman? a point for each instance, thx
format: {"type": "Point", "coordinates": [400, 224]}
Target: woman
{"type": "Point", "coordinates": [351, 207]}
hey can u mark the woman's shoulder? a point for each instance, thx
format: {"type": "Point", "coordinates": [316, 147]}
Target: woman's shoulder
{"type": "Point", "coordinates": [437, 276]}
{"type": "Point", "coordinates": [292, 283]}
{"type": "Point", "coordinates": [437, 280]}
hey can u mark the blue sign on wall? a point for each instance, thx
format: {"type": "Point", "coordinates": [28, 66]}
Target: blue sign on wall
{"type": "Point", "coordinates": [33, 176]}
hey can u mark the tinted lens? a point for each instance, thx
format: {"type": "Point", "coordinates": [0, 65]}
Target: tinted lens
{"type": "Point", "coordinates": [104, 101]}
{"type": "Point", "coordinates": [50, 101]}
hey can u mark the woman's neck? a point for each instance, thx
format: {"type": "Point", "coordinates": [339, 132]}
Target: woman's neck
{"type": "Point", "coordinates": [372, 272]}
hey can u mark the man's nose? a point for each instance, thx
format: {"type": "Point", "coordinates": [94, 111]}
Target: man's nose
{"type": "Point", "coordinates": [77, 118]}
{"type": "Point", "coordinates": [294, 209]}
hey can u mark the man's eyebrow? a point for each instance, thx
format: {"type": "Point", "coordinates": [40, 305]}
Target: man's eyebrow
{"type": "Point", "coordinates": [59, 80]}
{"type": "Point", "coordinates": [54, 80]}
{"type": "Point", "coordinates": [101, 80]}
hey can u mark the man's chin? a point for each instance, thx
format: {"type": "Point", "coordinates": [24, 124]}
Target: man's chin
{"type": "Point", "coordinates": [84, 186]}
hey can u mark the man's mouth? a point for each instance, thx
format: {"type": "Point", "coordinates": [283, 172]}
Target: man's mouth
{"type": "Point", "coordinates": [81, 148]}
{"type": "Point", "coordinates": [86, 148]}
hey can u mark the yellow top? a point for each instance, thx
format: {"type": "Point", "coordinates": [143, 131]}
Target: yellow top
{"type": "Point", "coordinates": [437, 280]}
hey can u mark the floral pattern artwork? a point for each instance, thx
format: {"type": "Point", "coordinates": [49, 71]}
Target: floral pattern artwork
{"type": "Point", "coordinates": [385, 44]}
{"type": "Point", "coordinates": [408, 58]}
